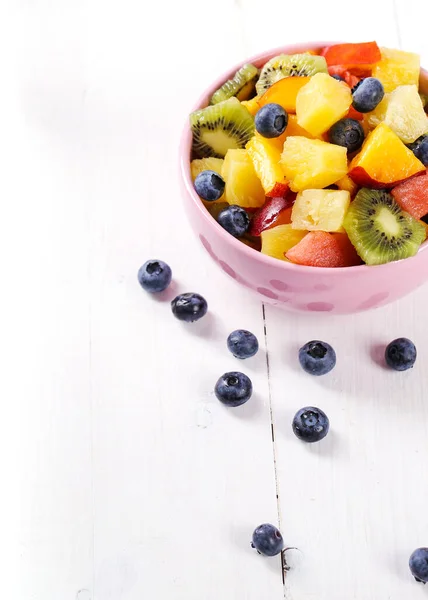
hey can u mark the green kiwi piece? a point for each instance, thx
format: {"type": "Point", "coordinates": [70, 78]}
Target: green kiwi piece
{"type": "Point", "coordinates": [379, 230]}
{"type": "Point", "coordinates": [219, 127]}
{"type": "Point", "coordinates": [289, 65]}
{"type": "Point", "coordinates": [242, 85]}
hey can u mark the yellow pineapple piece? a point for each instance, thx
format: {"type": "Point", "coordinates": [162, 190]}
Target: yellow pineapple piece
{"type": "Point", "coordinates": [251, 105]}
{"type": "Point", "coordinates": [310, 164]}
{"type": "Point", "coordinates": [346, 184]}
{"type": "Point", "coordinates": [397, 67]}
{"type": "Point", "coordinates": [320, 210]}
{"type": "Point", "coordinates": [321, 103]}
{"type": "Point", "coordinates": [293, 128]}
{"type": "Point", "coordinates": [266, 160]}
{"type": "Point", "coordinates": [276, 142]}
{"type": "Point", "coordinates": [279, 240]}
{"type": "Point", "coordinates": [243, 187]}
{"type": "Point", "coordinates": [205, 164]}
{"type": "Point", "coordinates": [402, 110]}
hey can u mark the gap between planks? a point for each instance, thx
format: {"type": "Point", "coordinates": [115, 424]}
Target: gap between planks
{"type": "Point", "coordinates": [278, 503]}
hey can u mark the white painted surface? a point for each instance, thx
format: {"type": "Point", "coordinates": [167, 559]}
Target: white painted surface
{"type": "Point", "coordinates": [123, 478]}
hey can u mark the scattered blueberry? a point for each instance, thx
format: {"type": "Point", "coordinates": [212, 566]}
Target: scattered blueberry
{"type": "Point", "coordinates": [367, 94]}
{"type": "Point", "coordinates": [209, 185]}
{"type": "Point", "coordinates": [235, 220]}
{"type": "Point", "coordinates": [271, 120]}
{"type": "Point", "coordinates": [420, 149]}
{"type": "Point", "coordinates": [338, 77]}
{"type": "Point", "coordinates": [418, 564]}
{"type": "Point", "coordinates": [348, 133]}
{"type": "Point", "coordinates": [267, 540]}
{"type": "Point", "coordinates": [317, 358]}
{"type": "Point", "coordinates": [189, 307]}
{"type": "Point", "coordinates": [400, 354]}
{"type": "Point", "coordinates": [310, 424]}
{"type": "Point", "coordinates": [154, 276]}
{"type": "Point", "coordinates": [242, 343]}
{"type": "Point", "coordinates": [233, 389]}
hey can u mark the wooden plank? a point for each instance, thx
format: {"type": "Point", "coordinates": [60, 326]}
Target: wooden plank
{"type": "Point", "coordinates": [180, 482]}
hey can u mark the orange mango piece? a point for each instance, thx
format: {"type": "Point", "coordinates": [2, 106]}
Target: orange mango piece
{"type": "Point", "coordinates": [384, 160]}
{"type": "Point", "coordinates": [284, 92]}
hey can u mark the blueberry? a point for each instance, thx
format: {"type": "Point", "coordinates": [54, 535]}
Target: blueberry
{"type": "Point", "coordinates": [418, 564]}
{"type": "Point", "coordinates": [338, 77]}
{"type": "Point", "coordinates": [209, 185]}
{"type": "Point", "coordinates": [154, 276]}
{"type": "Point", "coordinates": [317, 358]}
{"type": "Point", "coordinates": [367, 94]}
{"type": "Point", "coordinates": [233, 389]}
{"type": "Point", "coordinates": [400, 354]}
{"type": "Point", "coordinates": [267, 540]}
{"type": "Point", "coordinates": [348, 133]}
{"type": "Point", "coordinates": [235, 220]}
{"type": "Point", "coordinates": [271, 120]}
{"type": "Point", "coordinates": [420, 149]}
{"type": "Point", "coordinates": [189, 307]}
{"type": "Point", "coordinates": [311, 424]}
{"type": "Point", "coordinates": [242, 343]}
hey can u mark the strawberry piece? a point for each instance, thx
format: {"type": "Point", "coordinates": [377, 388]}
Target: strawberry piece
{"type": "Point", "coordinates": [348, 55]}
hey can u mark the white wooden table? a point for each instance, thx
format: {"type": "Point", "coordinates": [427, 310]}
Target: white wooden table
{"type": "Point", "coordinates": [123, 478]}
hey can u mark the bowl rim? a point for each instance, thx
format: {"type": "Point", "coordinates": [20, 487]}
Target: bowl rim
{"type": "Point", "coordinates": [185, 173]}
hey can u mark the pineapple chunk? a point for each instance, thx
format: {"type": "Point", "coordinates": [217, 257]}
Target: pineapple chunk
{"type": "Point", "coordinates": [251, 105]}
{"type": "Point", "coordinates": [205, 164]}
{"type": "Point", "coordinates": [347, 184]}
{"type": "Point", "coordinates": [397, 67]}
{"type": "Point", "coordinates": [293, 128]}
{"type": "Point", "coordinates": [312, 163]}
{"type": "Point", "coordinates": [321, 103]}
{"type": "Point", "coordinates": [279, 240]}
{"type": "Point", "coordinates": [266, 160]}
{"type": "Point", "coordinates": [403, 112]}
{"type": "Point", "coordinates": [243, 187]}
{"type": "Point", "coordinates": [320, 210]}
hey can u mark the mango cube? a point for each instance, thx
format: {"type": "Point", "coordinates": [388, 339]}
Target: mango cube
{"type": "Point", "coordinates": [321, 103]}
{"type": "Point", "coordinates": [320, 210]}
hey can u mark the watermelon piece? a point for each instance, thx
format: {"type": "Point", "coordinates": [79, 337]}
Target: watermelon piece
{"type": "Point", "coordinates": [366, 53]}
{"type": "Point", "coordinates": [275, 211]}
{"type": "Point", "coordinates": [355, 114]}
{"type": "Point", "coordinates": [412, 195]}
{"type": "Point", "coordinates": [322, 249]}
{"type": "Point", "coordinates": [343, 72]}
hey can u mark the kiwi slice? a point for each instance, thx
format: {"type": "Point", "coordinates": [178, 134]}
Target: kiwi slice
{"type": "Point", "coordinates": [379, 230]}
{"type": "Point", "coordinates": [289, 65]}
{"type": "Point", "coordinates": [242, 85]}
{"type": "Point", "coordinates": [219, 127]}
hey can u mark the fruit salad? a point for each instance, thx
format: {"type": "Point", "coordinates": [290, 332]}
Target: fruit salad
{"type": "Point", "coordinates": [319, 158]}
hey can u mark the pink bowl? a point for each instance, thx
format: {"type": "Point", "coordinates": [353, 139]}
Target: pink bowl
{"type": "Point", "coordinates": [294, 287]}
